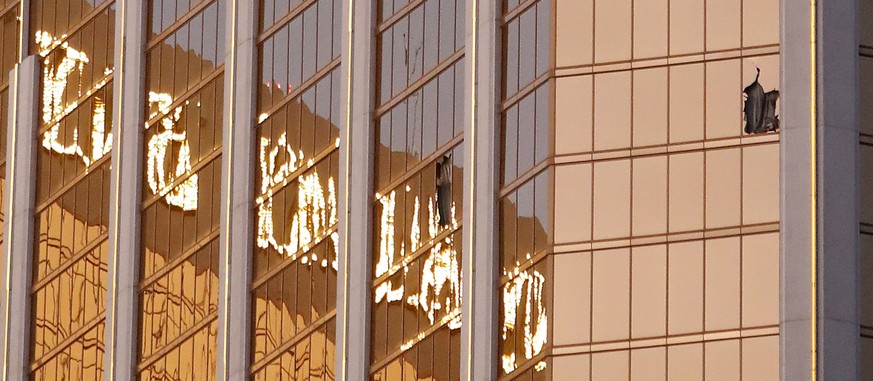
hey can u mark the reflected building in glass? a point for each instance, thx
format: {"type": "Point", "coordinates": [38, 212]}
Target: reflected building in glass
{"type": "Point", "coordinates": [435, 190]}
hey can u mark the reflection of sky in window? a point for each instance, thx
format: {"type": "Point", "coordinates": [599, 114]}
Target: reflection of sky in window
{"type": "Point", "coordinates": [190, 37]}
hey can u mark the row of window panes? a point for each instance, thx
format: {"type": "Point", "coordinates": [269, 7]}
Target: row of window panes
{"type": "Point", "coordinates": [76, 143]}
{"type": "Point", "coordinates": [389, 8]}
{"type": "Point", "coordinates": [59, 17]}
{"type": "Point", "coordinates": [68, 306]}
{"type": "Point", "coordinates": [295, 53]}
{"type": "Point", "coordinates": [436, 357]}
{"type": "Point", "coordinates": [189, 55]}
{"type": "Point", "coordinates": [525, 310]}
{"type": "Point", "coordinates": [9, 42]}
{"type": "Point", "coordinates": [613, 31]}
{"type": "Point", "coordinates": [526, 134]}
{"type": "Point", "coordinates": [657, 106]}
{"type": "Point", "coordinates": [271, 11]}
{"type": "Point", "coordinates": [304, 128]}
{"type": "Point", "coordinates": [416, 44]}
{"type": "Point", "coordinates": [297, 299]}
{"type": "Point", "coordinates": [72, 223]}
{"type": "Point", "coordinates": [644, 196]}
{"type": "Point", "coordinates": [753, 358]}
{"type": "Point", "coordinates": [164, 13]}
{"type": "Point", "coordinates": [527, 47]}
{"type": "Point", "coordinates": [653, 291]}
{"type": "Point", "coordinates": [310, 358]}
{"type": "Point", "coordinates": [79, 64]}
{"type": "Point", "coordinates": [183, 136]}
{"type": "Point", "coordinates": [525, 222]}
{"type": "Point", "coordinates": [419, 125]}
{"type": "Point", "coordinates": [192, 359]}
{"type": "Point", "coordinates": [81, 360]}
{"type": "Point", "coordinates": [70, 251]}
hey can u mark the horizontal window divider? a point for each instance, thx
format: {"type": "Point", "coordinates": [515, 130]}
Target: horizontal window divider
{"type": "Point", "coordinates": [284, 347]}
{"type": "Point", "coordinates": [56, 272]}
{"type": "Point", "coordinates": [415, 86]}
{"type": "Point", "coordinates": [312, 81]}
{"type": "Point", "coordinates": [72, 183]}
{"type": "Point", "coordinates": [294, 257]}
{"type": "Point", "coordinates": [9, 7]}
{"type": "Point", "coordinates": [667, 340]}
{"type": "Point", "coordinates": [169, 347]}
{"type": "Point", "coordinates": [526, 90]}
{"type": "Point", "coordinates": [399, 15]}
{"type": "Point", "coordinates": [534, 260]}
{"type": "Point", "coordinates": [518, 10]}
{"type": "Point", "coordinates": [157, 275]}
{"type": "Point", "coordinates": [69, 340]}
{"type": "Point", "coordinates": [408, 174]}
{"type": "Point", "coordinates": [281, 23]}
{"type": "Point", "coordinates": [106, 80]}
{"type": "Point", "coordinates": [75, 29]}
{"type": "Point", "coordinates": [212, 156]}
{"type": "Point", "coordinates": [187, 95]}
{"type": "Point", "coordinates": [174, 27]}
{"type": "Point", "coordinates": [525, 178]}
{"type": "Point", "coordinates": [422, 335]}
{"type": "Point", "coordinates": [738, 231]}
{"type": "Point", "coordinates": [528, 364]}
{"type": "Point", "coordinates": [413, 256]}
{"type": "Point", "coordinates": [675, 60]}
{"type": "Point", "coordinates": [298, 172]}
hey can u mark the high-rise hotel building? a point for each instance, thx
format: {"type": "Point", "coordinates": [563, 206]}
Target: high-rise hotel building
{"type": "Point", "coordinates": [436, 190]}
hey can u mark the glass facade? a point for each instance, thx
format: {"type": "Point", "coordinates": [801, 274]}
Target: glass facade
{"type": "Point", "coordinates": [639, 223]}
{"type": "Point", "coordinates": [416, 255]}
{"type": "Point", "coordinates": [637, 174]}
{"type": "Point", "coordinates": [181, 179]}
{"type": "Point", "coordinates": [74, 138]}
{"type": "Point", "coordinates": [295, 265]}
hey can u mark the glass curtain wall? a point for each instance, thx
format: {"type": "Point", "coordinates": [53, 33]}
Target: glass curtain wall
{"type": "Point", "coordinates": [416, 254]}
{"type": "Point", "coordinates": [295, 266]}
{"type": "Point", "coordinates": [640, 214]}
{"type": "Point", "coordinates": [75, 45]}
{"type": "Point", "coordinates": [182, 139]}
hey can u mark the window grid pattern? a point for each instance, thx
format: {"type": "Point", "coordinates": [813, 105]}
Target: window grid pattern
{"type": "Point", "coordinates": [299, 99]}
{"type": "Point", "coordinates": [74, 139]}
{"type": "Point", "coordinates": [415, 316]}
{"type": "Point", "coordinates": [666, 214]}
{"type": "Point", "coordinates": [525, 193]}
{"type": "Point", "coordinates": [181, 190]}
{"type": "Point", "coordinates": [865, 153]}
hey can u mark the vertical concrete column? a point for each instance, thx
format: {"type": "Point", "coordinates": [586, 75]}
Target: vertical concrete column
{"type": "Point", "coordinates": [237, 193]}
{"type": "Point", "coordinates": [18, 208]}
{"type": "Point", "coordinates": [356, 193]}
{"type": "Point", "coordinates": [838, 198]}
{"type": "Point", "coordinates": [122, 309]}
{"type": "Point", "coordinates": [819, 218]}
{"type": "Point", "coordinates": [479, 272]}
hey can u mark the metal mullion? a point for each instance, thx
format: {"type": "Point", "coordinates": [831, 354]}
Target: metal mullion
{"type": "Point", "coordinates": [285, 20]}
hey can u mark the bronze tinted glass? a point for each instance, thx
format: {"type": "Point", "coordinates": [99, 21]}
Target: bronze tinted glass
{"type": "Point", "coordinates": [181, 190]}
{"type": "Point", "coordinates": [631, 198]}
{"type": "Point", "coordinates": [295, 269]}
{"type": "Point", "coordinates": [74, 139]}
{"type": "Point", "coordinates": [415, 315]}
